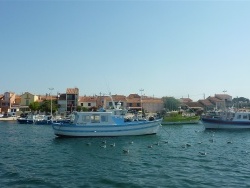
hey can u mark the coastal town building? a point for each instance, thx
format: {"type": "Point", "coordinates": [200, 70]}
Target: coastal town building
{"type": "Point", "coordinates": [87, 102]}
{"type": "Point", "coordinates": [70, 101]}
{"type": "Point", "coordinates": [134, 102]}
{"type": "Point", "coordinates": [27, 98]}
{"type": "Point", "coordinates": [62, 104]}
{"type": "Point", "coordinates": [8, 103]}
{"type": "Point", "coordinates": [72, 95]}
{"type": "Point", "coordinates": [107, 103]}
{"type": "Point", "coordinates": [152, 105]}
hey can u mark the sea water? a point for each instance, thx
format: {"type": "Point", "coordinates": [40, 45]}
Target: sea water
{"type": "Point", "coordinates": [178, 156]}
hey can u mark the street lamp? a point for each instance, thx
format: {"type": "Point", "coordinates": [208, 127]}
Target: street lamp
{"type": "Point", "coordinates": [51, 100]}
{"type": "Point", "coordinates": [141, 90]}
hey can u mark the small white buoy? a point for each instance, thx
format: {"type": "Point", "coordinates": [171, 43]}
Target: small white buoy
{"type": "Point", "coordinates": [112, 145]}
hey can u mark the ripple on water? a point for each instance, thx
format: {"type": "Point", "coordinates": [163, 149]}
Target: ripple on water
{"type": "Point", "coordinates": [31, 156]}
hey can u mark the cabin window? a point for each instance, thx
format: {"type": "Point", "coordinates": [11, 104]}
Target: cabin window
{"type": "Point", "coordinates": [239, 117]}
{"type": "Point", "coordinates": [104, 118]}
{"type": "Point", "coordinates": [95, 119]}
{"type": "Point", "coordinates": [76, 118]}
{"type": "Point", "coordinates": [244, 116]}
{"type": "Point", "coordinates": [85, 119]}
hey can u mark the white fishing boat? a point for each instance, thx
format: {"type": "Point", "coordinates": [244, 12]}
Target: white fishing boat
{"type": "Point", "coordinates": [105, 123]}
{"type": "Point", "coordinates": [231, 119]}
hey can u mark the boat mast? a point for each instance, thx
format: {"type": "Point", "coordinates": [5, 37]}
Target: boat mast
{"type": "Point", "coordinates": [112, 100]}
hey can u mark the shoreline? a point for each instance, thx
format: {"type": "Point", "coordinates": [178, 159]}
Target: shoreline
{"type": "Point", "coordinates": [8, 119]}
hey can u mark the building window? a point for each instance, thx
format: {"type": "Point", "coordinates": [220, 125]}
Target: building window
{"type": "Point", "coordinates": [81, 104]}
{"type": "Point", "coordinates": [138, 104]}
{"type": "Point", "coordinates": [71, 97]}
{"type": "Point", "coordinates": [27, 102]}
{"type": "Point", "coordinates": [89, 104]}
{"type": "Point", "coordinates": [130, 104]}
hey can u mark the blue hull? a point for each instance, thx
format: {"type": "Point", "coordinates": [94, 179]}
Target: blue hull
{"type": "Point", "coordinates": [220, 121]}
{"type": "Point", "coordinates": [43, 122]}
{"type": "Point", "coordinates": [214, 123]}
{"type": "Point", "coordinates": [25, 121]}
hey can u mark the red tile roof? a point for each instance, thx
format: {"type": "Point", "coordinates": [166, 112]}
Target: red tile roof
{"type": "Point", "coordinates": [131, 96]}
{"type": "Point", "coordinates": [205, 102]}
{"type": "Point", "coordinates": [72, 91]}
{"type": "Point", "coordinates": [116, 98]}
{"type": "Point", "coordinates": [87, 99]}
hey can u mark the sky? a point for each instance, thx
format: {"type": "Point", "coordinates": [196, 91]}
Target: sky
{"type": "Point", "coordinates": [161, 48]}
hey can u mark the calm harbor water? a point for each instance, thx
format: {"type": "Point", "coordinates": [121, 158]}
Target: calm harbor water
{"type": "Point", "coordinates": [178, 156]}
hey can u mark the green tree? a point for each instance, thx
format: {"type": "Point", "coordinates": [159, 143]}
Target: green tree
{"type": "Point", "coordinates": [81, 108]}
{"type": "Point", "coordinates": [34, 106]}
{"type": "Point", "coordinates": [170, 103]}
{"type": "Point", "coordinates": [45, 106]}
{"type": "Point", "coordinates": [241, 102]}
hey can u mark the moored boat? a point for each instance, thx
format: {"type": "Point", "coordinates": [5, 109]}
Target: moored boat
{"type": "Point", "coordinates": [29, 119]}
{"type": "Point", "coordinates": [43, 120]}
{"type": "Point", "coordinates": [105, 123]}
{"type": "Point", "coordinates": [175, 118]}
{"type": "Point", "coordinates": [231, 119]}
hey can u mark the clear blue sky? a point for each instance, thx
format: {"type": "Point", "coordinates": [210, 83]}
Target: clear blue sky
{"type": "Point", "coordinates": [167, 48]}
